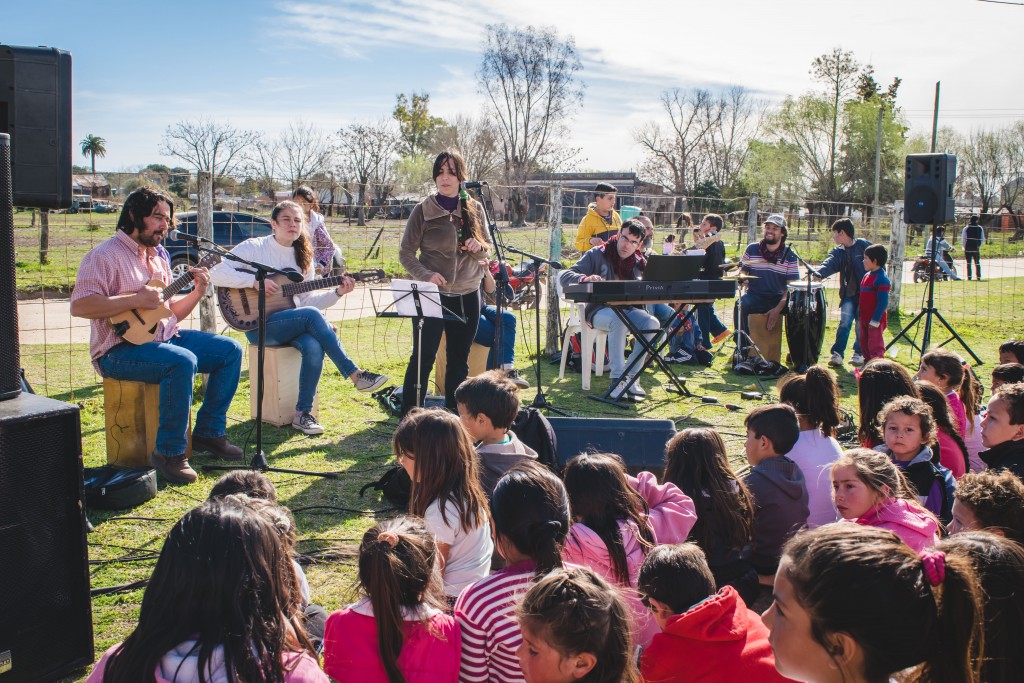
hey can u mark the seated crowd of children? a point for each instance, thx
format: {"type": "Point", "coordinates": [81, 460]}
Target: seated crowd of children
{"type": "Point", "coordinates": [502, 570]}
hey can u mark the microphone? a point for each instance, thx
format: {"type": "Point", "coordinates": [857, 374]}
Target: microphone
{"type": "Point", "coordinates": [184, 236]}
{"type": "Point", "coordinates": [472, 184]}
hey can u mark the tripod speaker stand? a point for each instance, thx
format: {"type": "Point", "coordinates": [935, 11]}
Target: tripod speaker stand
{"type": "Point", "coordinates": [930, 310]}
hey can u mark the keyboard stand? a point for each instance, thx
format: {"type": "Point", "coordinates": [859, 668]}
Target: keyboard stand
{"type": "Point", "coordinates": [652, 349]}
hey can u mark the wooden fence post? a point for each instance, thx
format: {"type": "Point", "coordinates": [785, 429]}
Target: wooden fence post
{"type": "Point", "coordinates": [752, 223]}
{"type": "Point", "coordinates": [207, 316]}
{"type": "Point", "coordinates": [553, 340]}
{"type": "Point", "coordinates": [897, 250]}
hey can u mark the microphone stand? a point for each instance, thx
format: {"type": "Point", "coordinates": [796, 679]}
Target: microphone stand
{"type": "Point", "coordinates": [258, 462]}
{"type": "Point", "coordinates": [501, 279]}
{"type": "Point", "coordinates": [540, 401]}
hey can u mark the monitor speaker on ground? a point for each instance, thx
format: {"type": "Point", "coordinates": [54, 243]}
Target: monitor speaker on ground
{"type": "Point", "coordinates": [10, 353]}
{"type": "Point", "coordinates": [641, 443]}
{"type": "Point", "coordinates": [928, 189]}
{"type": "Point", "coordinates": [45, 610]}
{"type": "Point", "coordinates": [35, 109]}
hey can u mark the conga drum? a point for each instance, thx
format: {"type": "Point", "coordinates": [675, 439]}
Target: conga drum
{"type": "Point", "coordinates": [805, 322]}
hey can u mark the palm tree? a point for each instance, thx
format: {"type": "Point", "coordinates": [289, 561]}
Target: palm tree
{"type": "Point", "coordinates": [93, 146]}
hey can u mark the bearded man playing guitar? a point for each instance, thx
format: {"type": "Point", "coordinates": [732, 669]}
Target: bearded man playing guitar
{"type": "Point", "coordinates": [305, 328]}
{"type": "Point", "coordinates": [121, 276]}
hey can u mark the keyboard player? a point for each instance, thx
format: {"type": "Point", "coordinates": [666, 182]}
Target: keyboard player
{"type": "Point", "coordinates": [617, 259]}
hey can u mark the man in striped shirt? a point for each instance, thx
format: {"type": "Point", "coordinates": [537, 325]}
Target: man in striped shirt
{"type": "Point", "coordinates": [775, 266]}
{"type": "Point", "coordinates": [124, 265]}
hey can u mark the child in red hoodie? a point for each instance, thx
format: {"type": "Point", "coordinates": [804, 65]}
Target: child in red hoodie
{"type": "Point", "coordinates": [706, 637]}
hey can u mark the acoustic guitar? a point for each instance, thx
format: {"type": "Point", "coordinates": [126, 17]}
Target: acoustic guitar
{"type": "Point", "coordinates": [139, 326]}
{"type": "Point", "coordinates": [239, 305]}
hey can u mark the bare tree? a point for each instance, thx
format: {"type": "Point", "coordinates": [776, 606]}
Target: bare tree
{"type": "Point", "coordinates": [265, 165]}
{"type": "Point", "coordinates": [982, 165]}
{"type": "Point", "coordinates": [672, 151]}
{"type": "Point", "coordinates": [728, 143]}
{"type": "Point", "coordinates": [1012, 195]}
{"type": "Point", "coordinates": [529, 76]}
{"type": "Point", "coordinates": [218, 148]}
{"type": "Point", "coordinates": [476, 138]}
{"type": "Point", "coordinates": [306, 151]}
{"type": "Point", "coordinates": [367, 153]}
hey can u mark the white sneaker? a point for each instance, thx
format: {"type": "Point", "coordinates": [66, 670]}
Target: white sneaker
{"type": "Point", "coordinates": [618, 390]}
{"type": "Point", "coordinates": [636, 390]}
{"type": "Point", "coordinates": [369, 381]}
{"type": "Point", "coordinates": [307, 424]}
{"type": "Point", "coordinates": [836, 360]}
{"type": "Point", "coordinates": [857, 359]}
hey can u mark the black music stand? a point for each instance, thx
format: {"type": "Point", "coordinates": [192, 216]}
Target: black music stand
{"type": "Point", "coordinates": [418, 301]}
{"type": "Point", "coordinates": [653, 349]}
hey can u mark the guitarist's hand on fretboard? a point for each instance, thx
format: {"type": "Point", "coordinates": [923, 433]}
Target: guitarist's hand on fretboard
{"type": "Point", "coordinates": [347, 285]}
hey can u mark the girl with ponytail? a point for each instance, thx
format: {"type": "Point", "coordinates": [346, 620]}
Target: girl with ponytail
{"type": "Point", "coordinates": [397, 633]}
{"type": "Point", "coordinates": [952, 449]}
{"type": "Point", "coordinates": [446, 232]}
{"type": "Point", "coordinates": [948, 372]}
{"type": "Point", "coordinates": [530, 509]}
{"type": "Point", "coordinates": [815, 398]}
{"type": "Point", "coordinates": [856, 604]}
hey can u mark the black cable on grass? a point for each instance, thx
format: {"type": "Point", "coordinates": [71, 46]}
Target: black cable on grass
{"type": "Point", "coordinates": [120, 588]}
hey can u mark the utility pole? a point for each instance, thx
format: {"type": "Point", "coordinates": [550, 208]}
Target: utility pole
{"type": "Point", "coordinates": [878, 164]}
{"type": "Point", "coordinates": [935, 117]}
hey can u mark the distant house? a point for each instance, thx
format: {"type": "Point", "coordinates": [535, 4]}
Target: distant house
{"type": "Point", "coordinates": [96, 186]}
{"type": "Point", "coordinates": [578, 193]}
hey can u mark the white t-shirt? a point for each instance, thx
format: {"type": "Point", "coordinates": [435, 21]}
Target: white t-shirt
{"type": "Point", "coordinates": [814, 453]}
{"type": "Point", "coordinates": [469, 558]}
{"type": "Point", "coordinates": [667, 248]}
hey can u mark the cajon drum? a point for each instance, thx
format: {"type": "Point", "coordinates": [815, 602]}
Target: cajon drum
{"type": "Point", "coordinates": [770, 342]}
{"type": "Point", "coordinates": [281, 366]}
{"type": "Point", "coordinates": [132, 414]}
{"type": "Point", "coordinates": [477, 362]}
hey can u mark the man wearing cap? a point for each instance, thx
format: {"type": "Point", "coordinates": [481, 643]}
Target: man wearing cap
{"type": "Point", "coordinates": [775, 266]}
{"type": "Point", "coordinates": [602, 220]}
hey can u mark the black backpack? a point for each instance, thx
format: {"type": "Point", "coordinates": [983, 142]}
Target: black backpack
{"type": "Point", "coordinates": [534, 430]}
{"type": "Point", "coordinates": [118, 488]}
{"type": "Point", "coordinates": [396, 486]}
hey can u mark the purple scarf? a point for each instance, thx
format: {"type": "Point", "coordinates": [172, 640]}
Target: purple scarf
{"type": "Point", "coordinates": [772, 256]}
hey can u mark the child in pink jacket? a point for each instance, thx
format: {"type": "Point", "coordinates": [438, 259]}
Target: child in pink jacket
{"type": "Point", "coordinates": [870, 490]}
{"type": "Point", "coordinates": [618, 519]}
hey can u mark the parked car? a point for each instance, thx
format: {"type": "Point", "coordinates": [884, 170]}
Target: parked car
{"type": "Point", "coordinates": [229, 229]}
{"type": "Point", "coordinates": [103, 207]}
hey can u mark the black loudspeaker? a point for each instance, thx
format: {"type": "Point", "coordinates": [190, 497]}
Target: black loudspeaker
{"type": "Point", "coordinates": [641, 443]}
{"type": "Point", "coordinates": [45, 608]}
{"type": "Point", "coordinates": [10, 352]}
{"type": "Point", "coordinates": [928, 189]}
{"type": "Point", "coordinates": [35, 109]}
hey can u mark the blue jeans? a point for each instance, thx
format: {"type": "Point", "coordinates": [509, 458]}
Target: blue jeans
{"type": "Point", "coordinates": [685, 339]}
{"type": "Point", "coordinates": [710, 325]}
{"type": "Point", "coordinates": [848, 308]}
{"type": "Point", "coordinates": [940, 257]}
{"type": "Point", "coordinates": [605, 319]}
{"type": "Point", "coordinates": [307, 330]}
{"type": "Point", "coordinates": [485, 336]}
{"type": "Point", "coordinates": [173, 365]}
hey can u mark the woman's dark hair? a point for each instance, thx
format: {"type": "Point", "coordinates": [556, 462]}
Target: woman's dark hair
{"type": "Point", "coordinates": [576, 611]}
{"type": "Point", "coordinates": [865, 582]}
{"type": "Point", "coordinates": [471, 224]}
{"type": "Point", "coordinates": [951, 367]}
{"type": "Point", "coordinates": [881, 381]}
{"type": "Point", "coordinates": [303, 246]}
{"type": "Point", "coordinates": [398, 569]}
{"type": "Point", "coordinates": [696, 462]}
{"type": "Point", "coordinates": [943, 415]}
{"type": "Point", "coordinates": [814, 396]}
{"type": "Point", "coordinates": [999, 564]}
{"type": "Point", "coordinates": [530, 509]}
{"type": "Point", "coordinates": [216, 553]}
{"type": "Point", "coordinates": [306, 193]}
{"type": "Point", "coordinates": [445, 465]}
{"type": "Point", "coordinates": [677, 575]}
{"type": "Point", "coordinates": [140, 204]}
{"type": "Point", "coordinates": [600, 497]}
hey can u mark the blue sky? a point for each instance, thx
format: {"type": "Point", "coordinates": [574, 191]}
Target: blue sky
{"type": "Point", "coordinates": [141, 66]}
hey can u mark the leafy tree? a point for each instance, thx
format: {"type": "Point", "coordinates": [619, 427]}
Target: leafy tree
{"type": "Point", "coordinates": [416, 126]}
{"type": "Point", "coordinates": [529, 78]}
{"type": "Point", "coordinates": [837, 70]}
{"type": "Point", "coordinates": [92, 147]}
{"type": "Point", "coordinates": [774, 170]}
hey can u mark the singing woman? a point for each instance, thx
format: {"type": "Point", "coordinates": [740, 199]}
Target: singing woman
{"type": "Point", "coordinates": [446, 232]}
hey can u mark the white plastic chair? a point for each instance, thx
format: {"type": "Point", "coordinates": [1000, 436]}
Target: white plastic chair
{"type": "Point", "coordinates": [589, 339]}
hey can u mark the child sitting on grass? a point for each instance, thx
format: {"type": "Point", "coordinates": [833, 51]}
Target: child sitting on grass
{"type": "Point", "coordinates": [488, 405]}
{"type": "Point", "coordinates": [707, 635]}
{"type": "Point", "coordinates": [990, 501]}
